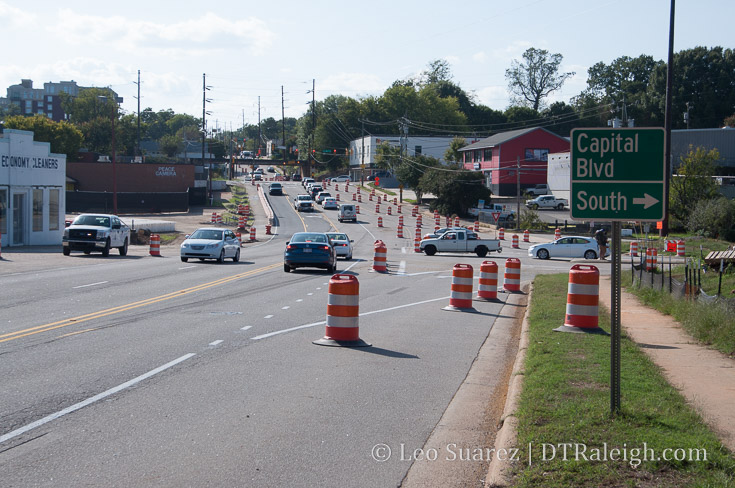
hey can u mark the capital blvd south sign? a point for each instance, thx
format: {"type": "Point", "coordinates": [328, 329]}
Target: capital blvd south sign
{"type": "Point", "coordinates": [617, 174]}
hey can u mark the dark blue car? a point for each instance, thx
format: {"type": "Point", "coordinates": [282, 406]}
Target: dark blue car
{"type": "Point", "coordinates": [309, 250]}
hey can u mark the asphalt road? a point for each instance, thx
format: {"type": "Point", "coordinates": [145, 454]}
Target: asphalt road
{"type": "Point", "coordinates": [142, 371]}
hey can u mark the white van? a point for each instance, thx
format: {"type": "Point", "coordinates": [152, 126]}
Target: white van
{"type": "Point", "coordinates": [347, 212]}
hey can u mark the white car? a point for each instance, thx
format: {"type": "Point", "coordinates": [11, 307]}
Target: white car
{"type": "Point", "coordinates": [567, 247]}
{"type": "Point", "coordinates": [211, 243]}
{"type": "Point", "coordinates": [321, 196]}
{"type": "Point", "coordinates": [330, 203]}
{"type": "Point", "coordinates": [341, 179]}
{"type": "Point", "coordinates": [342, 244]}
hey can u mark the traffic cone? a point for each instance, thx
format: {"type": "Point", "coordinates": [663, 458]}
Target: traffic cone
{"type": "Point", "coordinates": [343, 313]}
{"type": "Point", "coordinates": [583, 296]}
{"type": "Point", "coordinates": [460, 298]}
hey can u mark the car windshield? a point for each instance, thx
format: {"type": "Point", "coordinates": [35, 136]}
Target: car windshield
{"type": "Point", "coordinates": [211, 234]}
{"type": "Point", "coordinates": [304, 237]}
{"type": "Point", "coordinates": [99, 220]}
{"type": "Point", "coordinates": [338, 237]}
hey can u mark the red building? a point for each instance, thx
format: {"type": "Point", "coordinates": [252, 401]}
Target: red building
{"type": "Point", "coordinates": [499, 156]}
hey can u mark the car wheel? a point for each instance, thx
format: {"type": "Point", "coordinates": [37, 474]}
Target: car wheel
{"type": "Point", "coordinates": [286, 268]}
{"type": "Point", "coordinates": [481, 251]}
{"type": "Point", "coordinates": [201, 259]}
{"type": "Point", "coordinates": [236, 257]}
{"type": "Point", "coordinates": [349, 258]}
{"type": "Point", "coordinates": [560, 206]}
{"type": "Point", "coordinates": [221, 258]}
{"type": "Point", "coordinates": [331, 269]}
{"type": "Point", "coordinates": [87, 252]}
{"type": "Point", "coordinates": [66, 251]}
{"type": "Point", "coordinates": [106, 250]}
{"type": "Point", "coordinates": [590, 254]}
{"type": "Point", "coordinates": [184, 260]}
{"type": "Point", "coordinates": [542, 254]}
{"type": "Point", "coordinates": [430, 250]}
{"type": "Point", "coordinates": [124, 248]}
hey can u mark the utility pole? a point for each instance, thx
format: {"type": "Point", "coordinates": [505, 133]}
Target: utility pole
{"type": "Point", "coordinates": [313, 124]}
{"type": "Point", "coordinates": [283, 126]}
{"type": "Point", "coordinates": [667, 124]}
{"type": "Point", "coordinates": [137, 145]}
{"type": "Point", "coordinates": [204, 133]}
{"type": "Point", "coordinates": [259, 133]}
{"type": "Point", "coordinates": [362, 164]}
{"type": "Point", "coordinates": [518, 192]}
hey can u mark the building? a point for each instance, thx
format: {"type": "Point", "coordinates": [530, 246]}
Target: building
{"type": "Point", "coordinates": [721, 139]}
{"type": "Point", "coordinates": [499, 156]}
{"type": "Point", "coordinates": [32, 185]}
{"type": "Point", "coordinates": [44, 101]}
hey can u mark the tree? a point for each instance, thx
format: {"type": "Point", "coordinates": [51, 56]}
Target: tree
{"type": "Point", "coordinates": [560, 118]}
{"type": "Point", "coordinates": [63, 136]}
{"type": "Point", "coordinates": [729, 121]}
{"type": "Point", "coordinates": [713, 218]}
{"type": "Point", "coordinates": [456, 189]}
{"type": "Point", "coordinates": [438, 71]}
{"type": "Point", "coordinates": [536, 77]}
{"type": "Point", "coordinates": [170, 145]}
{"type": "Point", "coordinates": [452, 154]}
{"type": "Point", "coordinates": [693, 182]}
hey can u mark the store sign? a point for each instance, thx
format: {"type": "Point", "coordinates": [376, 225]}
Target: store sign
{"type": "Point", "coordinates": [29, 162]}
{"type": "Point", "coordinates": [166, 171]}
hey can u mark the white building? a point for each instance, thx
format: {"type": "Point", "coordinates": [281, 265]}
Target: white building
{"type": "Point", "coordinates": [32, 186]}
{"type": "Point", "coordinates": [559, 175]}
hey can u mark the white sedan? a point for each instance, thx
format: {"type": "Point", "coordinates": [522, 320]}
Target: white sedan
{"type": "Point", "coordinates": [566, 247]}
{"type": "Point", "coordinates": [342, 244]}
{"type": "Point", "coordinates": [330, 203]}
{"type": "Point", "coordinates": [211, 243]}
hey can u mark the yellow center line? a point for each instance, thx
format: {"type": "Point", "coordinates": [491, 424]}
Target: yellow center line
{"type": "Point", "coordinates": [130, 306]}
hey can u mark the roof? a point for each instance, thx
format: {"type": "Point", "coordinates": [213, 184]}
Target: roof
{"type": "Point", "coordinates": [503, 137]}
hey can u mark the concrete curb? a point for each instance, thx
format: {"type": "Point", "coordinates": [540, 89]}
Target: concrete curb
{"type": "Point", "coordinates": [499, 472]}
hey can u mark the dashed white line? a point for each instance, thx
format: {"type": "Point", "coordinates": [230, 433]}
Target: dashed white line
{"type": "Point", "coordinates": [93, 399]}
{"type": "Point", "coordinates": [188, 267]}
{"type": "Point", "coordinates": [91, 284]}
{"type": "Point", "coordinates": [246, 327]}
{"type": "Point", "coordinates": [309, 294]}
{"type": "Point", "coordinates": [402, 268]}
{"type": "Point", "coordinates": [368, 231]}
{"type": "Point", "coordinates": [300, 300]}
{"type": "Point", "coordinates": [268, 317]}
{"type": "Point", "coordinates": [216, 343]}
{"type": "Point", "coordinates": [403, 250]}
{"type": "Point", "coordinates": [286, 307]}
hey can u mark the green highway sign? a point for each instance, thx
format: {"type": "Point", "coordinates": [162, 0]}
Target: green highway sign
{"type": "Point", "coordinates": [617, 174]}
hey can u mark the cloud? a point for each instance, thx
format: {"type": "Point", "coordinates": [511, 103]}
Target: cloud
{"type": "Point", "coordinates": [15, 16]}
{"type": "Point", "coordinates": [351, 84]}
{"type": "Point", "coordinates": [194, 37]}
{"type": "Point", "coordinates": [480, 57]}
{"type": "Point", "coordinates": [493, 96]}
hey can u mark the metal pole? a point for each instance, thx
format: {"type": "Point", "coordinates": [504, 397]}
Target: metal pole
{"type": "Point", "coordinates": [114, 165]}
{"type": "Point", "coordinates": [667, 123]}
{"type": "Point", "coordinates": [518, 193]}
{"type": "Point", "coordinates": [670, 277]}
{"type": "Point", "coordinates": [615, 321]}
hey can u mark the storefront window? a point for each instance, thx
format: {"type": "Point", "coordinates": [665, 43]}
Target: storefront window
{"type": "Point", "coordinates": [3, 211]}
{"type": "Point", "coordinates": [488, 154]}
{"type": "Point", "coordinates": [37, 210]}
{"type": "Point", "coordinates": [53, 209]}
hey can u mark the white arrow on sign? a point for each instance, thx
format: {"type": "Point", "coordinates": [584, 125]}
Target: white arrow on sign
{"type": "Point", "coordinates": [646, 201]}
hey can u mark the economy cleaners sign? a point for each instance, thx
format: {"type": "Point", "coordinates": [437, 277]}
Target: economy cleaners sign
{"type": "Point", "coordinates": [617, 174]}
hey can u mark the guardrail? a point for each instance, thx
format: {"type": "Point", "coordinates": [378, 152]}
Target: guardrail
{"type": "Point", "coordinates": [266, 205]}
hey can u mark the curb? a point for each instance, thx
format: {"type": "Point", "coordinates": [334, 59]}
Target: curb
{"type": "Point", "coordinates": [499, 472]}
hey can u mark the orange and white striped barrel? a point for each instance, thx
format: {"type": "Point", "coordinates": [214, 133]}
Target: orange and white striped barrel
{"type": "Point", "coordinates": [417, 245]}
{"type": "Point", "coordinates": [651, 258]}
{"type": "Point", "coordinates": [526, 236]}
{"type": "Point", "coordinates": [476, 227]}
{"type": "Point", "coordinates": [370, 197]}
{"type": "Point", "coordinates": [357, 209]}
{"type": "Point", "coordinates": [399, 209]}
{"type": "Point", "coordinates": [461, 292]}
{"type": "Point", "coordinates": [557, 233]}
{"type": "Point", "coordinates": [239, 236]}
{"type": "Point", "coordinates": [380, 221]}
{"type": "Point", "coordinates": [252, 233]}
{"type": "Point", "coordinates": [359, 198]}
{"type": "Point", "coordinates": [437, 220]}
{"type": "Point", "coordinates": [456, 221]}
{"type": "Point", "coordinates": [681, 248]}
{"type": "Point", "coordinates": [337, 197]}
{"type": "Point", "coordinates": [267, 229]}
{"type": "Point", "coordinates": [414, 211]}
{"type": "Point", "coordinates": [399, 231]}
{"type": "Point", "coordinates": [501, 234]}
{"type": "Point", "coordinates": [347, 186]}
{"type": "Point", "coordinates": [583, 295]}
{"type": "Point", "coordinates": [436, 214]}
{"type": "Point", "coordinates": [372, 191]}
{"type": "Point", "coordinates": [247, 209]}
{"type": "Point", "coordinates": [343, 313]}
{"type": "Point", "coordinates": [488, 287]}
{"type": "Point", "coordinates": [385, 197]}
{"type": "Point", "coordinates": [358, 189]}
{"type": "Point", "coordinates": [634, 248]}
{"type": "Point", "coordinates": [377, 208]}
{"type": "Point", "coordinates": [448, 221]}
{"type": "Point", "coordinates": [436, 229]}
{"type": "Point", "coordinates": [241, 221]}
{"type": "Point", "coordinates": [379, 260]}
{"type": "Point", "coordinates": [514, 242]}
{"type": "Point", "coordinates": [389, 211]}
{"type": "Point", "coordinates": [512, 276]}
{"type": "Point", "coordinates": [354, 197]}
{"type": "Point", "coordinates": [214, 218]}
{"type": "Point", "coordinates": [400, 219]}
{"type": "Point", "coordinates": [395, 200]}
{"type": "Point", "coordinates": [336, 187]}
{"type": "Point", "coordinates": [155, 249]}
{"type": "Point", "coordinates": [219, 218]}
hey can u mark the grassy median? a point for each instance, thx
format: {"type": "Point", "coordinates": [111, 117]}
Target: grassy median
{"type": "Point", "coordinates": [566, 400]}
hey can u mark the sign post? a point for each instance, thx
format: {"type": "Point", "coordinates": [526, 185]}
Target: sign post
{"type": "Point", "coordinates": [617, 175]}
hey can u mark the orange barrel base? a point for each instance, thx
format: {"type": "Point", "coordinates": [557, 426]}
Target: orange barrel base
{"type": "Point", "coordinates": [343, 313]}
{"type": "Point", "coordinates": [460, 298]}
{"type": "Point", "coordinates": [583, 296]}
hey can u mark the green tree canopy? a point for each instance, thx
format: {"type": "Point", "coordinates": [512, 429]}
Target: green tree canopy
{"type": "Point", "coordinates": [456, 189]}
{"type": "Point", "coordinates": [63, 136]}
{"type": "Point", "coordinates": [693, 182]}
{"type": "Point", "coordinates": [534, 78]}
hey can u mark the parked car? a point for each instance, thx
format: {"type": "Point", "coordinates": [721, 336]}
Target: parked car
{"type": "Point", "coordinates": [342, 244]}
{"type": "Point", "coordinates": [444, 230]}
{"type": "Point", "coordinates": [538, 190]}
{"type": "Point", "coordinates": [566, 247]}
{"type": "Point", "coordinates": [321, 196]}
{"type": "Point", "coordinates": [341, 179]}
{"type": "Point", "coordinates": [296, 177]}
{"type": "Point", "coordinates": [309, 250]}
{"type": "Point", "coordinates": [96, 232]}
{"type": "Point", "coordinates": [303, 203]}
{"type": "Point", "coordinates": [275, 189]}
{"type": "Point", "coordinates": [211, 243]}
{"type": "Point", "coordinates": [547, 201]}
{"type": "Point", "coordinates": [347, 212]}
{"type": "Point", "coordinates": [330, 203]}
{"type": "Point", "coordinates": [460, 241]}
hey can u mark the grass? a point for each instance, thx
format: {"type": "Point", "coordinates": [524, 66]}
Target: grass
{"type": "Point", "coordinates": [566, 399]}
{"type": "Point", "coordinates": [711, 324]}
{"type": "Point", "coordinates": [371, 186]}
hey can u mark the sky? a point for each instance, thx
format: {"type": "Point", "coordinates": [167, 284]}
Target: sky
{"type": "Point", "coordinates": [249, 50]}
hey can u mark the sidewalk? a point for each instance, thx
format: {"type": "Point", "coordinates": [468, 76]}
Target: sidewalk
{"type": "Point", "coordinates": [704, 376]}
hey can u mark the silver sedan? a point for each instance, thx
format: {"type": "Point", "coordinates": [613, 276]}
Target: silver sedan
{"type": "Point", "coordinates": [342, 244]}
{"type": "Point", "coordinates": [566, 247]}
{"type": "Point", "coordinates": [211, 243]}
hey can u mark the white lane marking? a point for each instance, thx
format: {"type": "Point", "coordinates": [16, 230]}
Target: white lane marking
{"type": "Point", "coordinates": [423, 273]}
{"type": "Point", "coordinates": [91, 284]}
{"type": "Point", "coordinates": [286, 307]}
{"type": "Point", "coordinates": [349, 267]}
{"type": "Point", "coordinates": [319, 288]}
{"type": "Point", "coordinates": [268, 317]}
{"type": "Point", "coordinates": [368, 231]}
{"type": "Point", "coordinates": [402, 268]}
{"type": "Point", "coordinates": [246, 327]}
{"type": "Point", "coordinates": [93, 399]}
{"type": "Point", "coordinates": [300, 300]}
{"type": "Point", "coordinates": [188, 267]}
{"type": "Point", "coordinates": [284, 331]}
{"type": "Point", "coordinates": [403, 250]}
{"type": "Point", "coordinates": [309, 294]}
{"type": "Point", "coordinates": [216, 343]}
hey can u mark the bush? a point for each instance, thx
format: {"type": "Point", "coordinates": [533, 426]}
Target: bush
{"type": "Point", "coordinates": [712, 218]}
{"type": "Point", "coordinates": [531, 220]}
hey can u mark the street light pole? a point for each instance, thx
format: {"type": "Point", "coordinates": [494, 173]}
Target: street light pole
{"type": "Point", "coordinates": [114, 164]}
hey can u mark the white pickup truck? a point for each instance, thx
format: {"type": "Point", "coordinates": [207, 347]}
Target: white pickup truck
{"type": "Point", "coordinates": [459, 241]}
{"type": "Point", "coordinates": [96, 232]}
{"type": "Point", "coordinates": [506, 216]}
{"type": "Point", "coordinates": [547, 201]}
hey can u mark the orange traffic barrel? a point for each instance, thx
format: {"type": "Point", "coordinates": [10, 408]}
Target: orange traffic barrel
{"type": "Point", "coordinates": [336, 187]}
{"type": "Point", "coordinates": [377, 208]}
{"type": "Point", "coordinates": [252, 233]}
{"type": "Point", "coordinates": [370, 197]}
{"type": "Point", "coordinates": [456, 221]}
{"type": "Point", "coordinates": [460, 297]}
{"type": "Point", "coordinates": [418, 233]}
{"type": "Point", "coordinates": [399, 231]}
{"type": "Point", "coordinates": [476, 228]}
{"type": "Point", "coordinates": [417, 245]}
{"type": "Point", "coordinates": [437, 220]}
{"type": "Point", "coordinates": [651, 259]}
{"type": "Point", "coordinates": [241, 221]}
{"type": "Point", "coordinates": [512, 276]}
{"type": "Point", "coordinates": [219, 218]}
{"type": "Point", "coordinates": [400, 219]}
{"type": "Point", "coordinates": [379, 260]}
{"type": "Point", "coordinates": [488, 287]}
{"type": "Point", "coordinates": [354, 197]}
{"type": "Point", "coordinates": [634, 248]}
{"type": "Point", "coordinates": [414, 211]}
{"type": "Point", "coordinates": [380, 221]}
{"type": "Point", "coordinates": [395, 200]}
{"type": "Point", "coordinates": [389, 211]}
{"type": "Point", "coordinates": [239, 236]}
{"type": "Point", "coordinates": [399, 209]}
{"type": "Point", "coordinates": [214, 218]}
{"type": "Point", "coordinates": [357, 209]}
{"type": "Point", "coordinates": [583, 296]}
{"type": "Point", "coordinates": [557, 233]}
{"type": "Point", "coordinates": [418, 221]}
{"type": "Point", "coordinates": [385, 197]}
{"type": "Point", "coordinates": [501, 234]}
{"type": "Point", "coordinates": [514, 242]}
{"type": "Point", "coordinates": [359, 198]}
{"type": "Point", "coordinates": [526, 236]}
{"type": "Point", "coordinates": [337, 197]}
{"type": "Point", "coordinates": [267, 230]}
{"type": "Point", "coordinates": [343, 313]}
{"type": "Point", "coordinates": [155, 249]}
{"type": "Point", "coordinates": [681, 248]}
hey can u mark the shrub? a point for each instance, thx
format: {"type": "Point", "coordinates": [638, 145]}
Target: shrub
{"type": "Point", "coordinates": [712, 218]}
